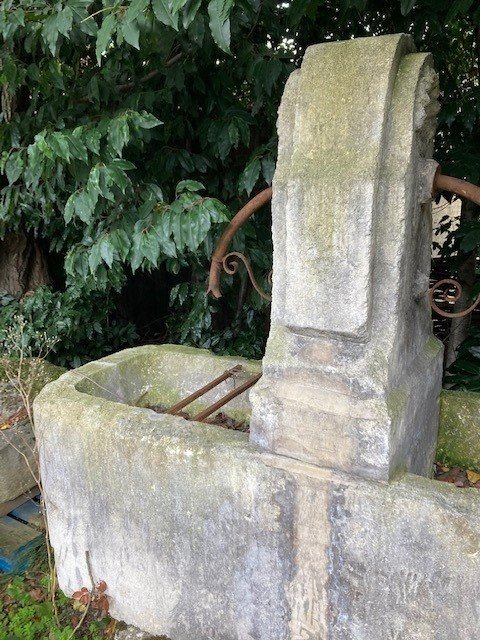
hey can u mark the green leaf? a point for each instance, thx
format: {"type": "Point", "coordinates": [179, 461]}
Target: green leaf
{"type": "Point", "coordinates": [406, 6]}
{"type": "Point", "coordinates": [92, 140]}
{"type": "Point", "coordinates": [118, 177]}
{"type": "Point", "coordinates": [121, 242]}
{"type": "Point", "coordinates": [219, 14]}
{"type": "Point", "coordinates": [189, 12]}
{"type": "Point", "coordinates": [118, 134]}
{"type": "Point", "coordinates": [14, 167]}
{"type": "Point", "coordinates": [94, 258]}
{"type": "Point", "coordinates": [145, 120]}
{"type": "Point", "coordinates": [250, 175]}
{"type": "Point", "coordinates": [297, 10]}
{"type": "Point", "coordinates": [69, 209]}
{"type": "Point", "coordinates": [122, 164]}
{"type": "Point", "coordinates": [268, 169]}
{"type": "Point", "coordinates": [104, 36]}
{"type": "Point", "coordinates": [164, 14]}
{"type": "Point", "coordinates": [459, 7]}
{"type": "Point", "coordinates": [131, 33]}
{"type": "Point", "coordinates": [59, 23]}
{"type": "Point", "coordinates": [189, 185]}
{"type": "Point", "coordinates": [136, 8]}
{"type": "Point", "coordinates": [107, 251]}
{"type": "Point", "coordinates": [59, 145]}
{"type": "Point", "coordinates": [77, 148]}
{"type": "Point", "coordinates": [84, 206]}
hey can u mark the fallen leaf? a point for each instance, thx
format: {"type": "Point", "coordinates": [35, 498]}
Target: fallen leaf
{"type": "Point", "coordinates": [473, 476]}
{"type": "Point", "coordinates": [37, 594]}
{"type": "Point", "coordinates": [102, 585]}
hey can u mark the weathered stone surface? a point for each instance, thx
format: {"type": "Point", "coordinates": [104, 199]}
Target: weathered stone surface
{"type": "Point", "coordinates": [199, 535]}
{"type": "Point", "coordinates": [352, 372]}
{"type": "Point", "coordinates": [127, 632]}
{"type": "Point", "coordinates": [18, 455]}
{"type": "Point", "coordinates": [459, 432]}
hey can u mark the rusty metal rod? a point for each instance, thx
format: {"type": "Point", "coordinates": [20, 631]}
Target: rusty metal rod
{"type": "Point", "coordinates": [462, 188]}
{"type": "Point", "coordinates": [233, 394]}
{"type": "Point", "coordinates": [234, 225]}
{"type": "Point", "coordinates": [200, 392]}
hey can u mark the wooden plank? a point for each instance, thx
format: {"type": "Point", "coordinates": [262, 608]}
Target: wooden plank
{"type": "Point", "coordinates": [6, 507]}
{"type": "Point", "coordinates": [29, 512]}
{"type": "Point", "coordinates": [17, 543]}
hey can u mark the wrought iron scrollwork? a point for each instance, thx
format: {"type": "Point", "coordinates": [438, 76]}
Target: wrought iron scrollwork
{"type": "Point", "coordinates": [230, 261]}
{"type": "Point", "coordinates": [450, 297]}
{"type": "Point", "coordinates": [231, 264]}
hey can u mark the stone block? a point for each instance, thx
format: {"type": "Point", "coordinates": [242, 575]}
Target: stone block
{"type": "Point", "coordinates": [18, 454]}
{"type": "Point", "coordinates": [459, 432]}
{"type": "Point", "coordinates": [352, 372]}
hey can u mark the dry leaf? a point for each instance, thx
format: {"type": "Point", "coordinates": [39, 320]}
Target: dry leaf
{"type": "Point", "coordinates": [102, 585]}
{"type": "Point", "coordinates": [473, 476]}
{"type": "Point", "coordinates": [37, 594]}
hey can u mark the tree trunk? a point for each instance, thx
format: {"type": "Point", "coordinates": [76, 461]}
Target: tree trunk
{"type": "Point", "coordinates": [22, 265]}
{"type": "Point", "coordinates": [466, 276]}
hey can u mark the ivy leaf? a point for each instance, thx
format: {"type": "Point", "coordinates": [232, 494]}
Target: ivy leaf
{"type": "Point", "coordinates": [131, 33]}
{"type": "Point", "coordinates": [219, 14]}
{"type": "Point", "coordinates": [250, 175]}
{"type": "Point", "coordinates": [164, 14]}
{"type": "Point", "coordinates": [104, 36]}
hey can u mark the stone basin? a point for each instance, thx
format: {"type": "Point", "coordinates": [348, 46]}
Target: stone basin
{"type": "Point", "coordinates": [199, 534]}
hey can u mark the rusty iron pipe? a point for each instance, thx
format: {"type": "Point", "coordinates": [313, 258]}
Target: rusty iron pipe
{"type": "Point", "coordinates": [462, 188]}
{"type": "Point", "coordinates": [229, 396]}
{"type": "Point", "coordinates": [234, 225]}
{"type": "Point", "coordinates": [200, 392]}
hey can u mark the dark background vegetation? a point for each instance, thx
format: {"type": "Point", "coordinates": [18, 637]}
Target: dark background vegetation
{"type": "Point", "coordinates": [131, 132]}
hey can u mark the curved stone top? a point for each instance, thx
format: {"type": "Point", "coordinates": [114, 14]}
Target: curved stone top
{"type": "Point", "coordinates": [352, 372]}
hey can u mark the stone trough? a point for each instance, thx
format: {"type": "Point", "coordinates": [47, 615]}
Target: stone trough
{"type": "Point", "coordinates": [323, 522]}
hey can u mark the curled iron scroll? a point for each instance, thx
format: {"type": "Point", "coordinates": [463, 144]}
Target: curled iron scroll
{"type": "Point", "coordinates": [230, 266]}
{"type": "Point", "coordinates": [222, 259]}
{"type": "Point", "coordinates": [451, 298]}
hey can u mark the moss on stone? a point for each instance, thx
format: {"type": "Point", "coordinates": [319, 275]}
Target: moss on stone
{"type": "Point", "coordinates": [396, 404]}
{"type": "Point", "coordinates": [459, 431]}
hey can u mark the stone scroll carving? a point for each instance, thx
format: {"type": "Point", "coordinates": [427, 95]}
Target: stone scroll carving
{"type": "Point", "coordinates": [352, 372]}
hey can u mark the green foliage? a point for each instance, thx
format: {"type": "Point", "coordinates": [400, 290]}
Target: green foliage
{"type": "Point", "coordinates": [68, 319]}
{"type": "Point", "coordinates": [107, 106]}
{"type": "Point", "coordinates": [27, 613]}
